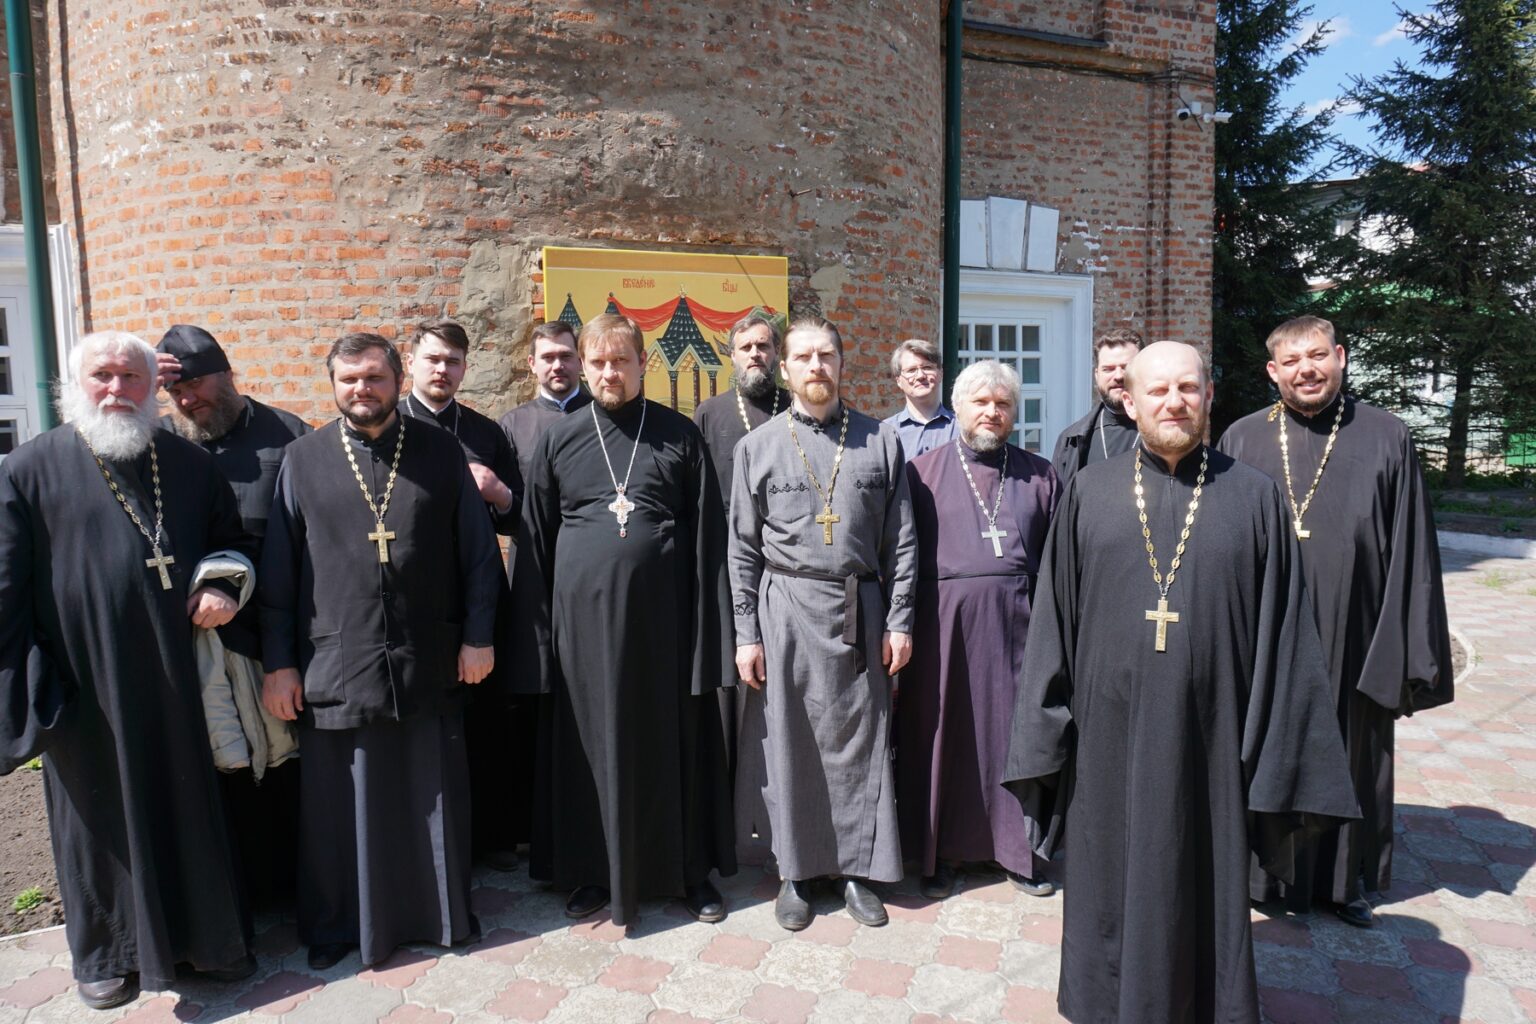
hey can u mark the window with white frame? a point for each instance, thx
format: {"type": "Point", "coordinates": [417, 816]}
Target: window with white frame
{"type": "Point", "coordinates": [1017, 343]}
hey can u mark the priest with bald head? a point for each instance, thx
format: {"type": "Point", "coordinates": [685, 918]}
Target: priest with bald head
{"type": "Point", "coordinates": [1173, 712]}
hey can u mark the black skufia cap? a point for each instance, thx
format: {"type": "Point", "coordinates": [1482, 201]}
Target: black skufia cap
{"type": "Point", "coordinates": [195, 349]}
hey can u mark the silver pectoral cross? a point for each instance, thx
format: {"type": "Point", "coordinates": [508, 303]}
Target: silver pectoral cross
{"type": "Point", "coordinates": [1162, 617]}
{"type": "Point", "coordinates": [159, 562]}
{"type": "Point", "coordinates": [995, 536]}
{"type": "Point", "coordinates": [621, 507]}
{"type": "Point", "coordinates": [382, 537]}
{"type": "Point", "coordinates": [1300, 533]}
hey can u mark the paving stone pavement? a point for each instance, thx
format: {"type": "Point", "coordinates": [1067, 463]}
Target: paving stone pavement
{"type": "Point", "coordinates": [1455, 939]}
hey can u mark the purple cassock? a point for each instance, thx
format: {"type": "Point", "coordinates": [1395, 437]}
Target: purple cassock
{"type": "Point", "coordinates": [956, 699]}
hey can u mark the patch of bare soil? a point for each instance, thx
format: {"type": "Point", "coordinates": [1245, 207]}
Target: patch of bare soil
{"type": "Point", "coordinates": [26, 857]}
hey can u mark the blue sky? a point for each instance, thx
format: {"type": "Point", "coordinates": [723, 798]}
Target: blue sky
{"type": "Point", "coordinates": [1365, 38]}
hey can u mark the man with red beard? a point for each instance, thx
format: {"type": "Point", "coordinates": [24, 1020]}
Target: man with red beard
{"type": "Point", "coordinates": [104, 525]}
{"type": "Point", "coordinates": [823, 567]}
{"type": "Point", "coordinates": [379, 582]}
{"type": "Point", "coordinates": [1173, 713]}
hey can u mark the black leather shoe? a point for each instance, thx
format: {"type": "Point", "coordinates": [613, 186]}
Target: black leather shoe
{"type": "Point", "coordinates": [501, 860]}
{"type": "Point", "coordinates": [103, 995]}
{"type": "Point", "coordinates": [704, 902]}
{"type": "Point", "coordinates": [237, 971]}
{"type": "Point", "coordinates": [325, 955]}
{"type": "Point", "coordinates": [941, 884]}
{"type": "Point", "coordinates": [792, 910]}
{"type": "Point", "coordinates": [1358, 913]}
{"type": "Point", "coordinates": [1031, 886]}
{"type": "Point", "coordinates": [473, 935]}
{"type": "Point", "coordinates": [586, 901]}
{"type": "Point", "coordinates": [863, 906]}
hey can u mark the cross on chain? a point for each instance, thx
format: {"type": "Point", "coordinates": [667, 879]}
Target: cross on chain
{"type": "Point", "coordinates": [995, 536]}
{"type": "Point", "coordinates": [825, 520]}
{"type": "Point", "coordinates": [621, 507]}
{"type": "Point", "coordinates": [158, 563]}
{"type": "Point", "coordinates": [1162, 617]}
{"type": "Point", "coordinates": [382, 537]}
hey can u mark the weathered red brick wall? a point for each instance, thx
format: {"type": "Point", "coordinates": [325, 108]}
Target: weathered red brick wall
{"type": "Point", "coordinates": [9, 183]}
{"type": "Point", "coordinates": [283, 172]}
{"type": "Point", "coordinates": [1092, 131]}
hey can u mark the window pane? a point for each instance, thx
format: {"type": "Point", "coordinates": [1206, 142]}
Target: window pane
{"type": "Point", "coordinates": [10, 436]}
{"type": "Point", "coordinates": [983, 334]}
{"type": "Point", "coordinates": [1029, 371]}
{"type": "Point", "coordinates": [1032, 410]}
{"type": "Point", "coordinates": [5, 376]}
{"type": "Point", "coordinates": [1030, 340]}
{"type": "Point", "coordinates": [1007, 337]}
{"type": "Point", "coordinates": [5, 328]}
{"type": "Point", "coordinates": [1031, 440]}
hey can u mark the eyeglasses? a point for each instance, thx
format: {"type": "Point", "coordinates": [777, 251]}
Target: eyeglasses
{"type": "Point", "coordinates": [916, 372]}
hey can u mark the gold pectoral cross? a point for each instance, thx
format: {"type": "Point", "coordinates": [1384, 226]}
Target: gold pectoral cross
{"type": "Point", "coordinates": [1162, 617]}
{"type": "Point", "coordinates": [825, 521]}
{"type": "Point", "coordinates": [159, 562]}
{"type": "Point", "coordinates": [382, 537]}
{"type": "Point", "coordinates": [1300, 533]}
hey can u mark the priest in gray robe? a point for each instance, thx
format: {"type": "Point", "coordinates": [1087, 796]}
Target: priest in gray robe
{"type": "Point", "coordinates": [823, 563]}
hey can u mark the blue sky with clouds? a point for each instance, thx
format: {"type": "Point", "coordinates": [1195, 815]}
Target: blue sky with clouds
{"type": "Point", "coordinates": [1364, 38]}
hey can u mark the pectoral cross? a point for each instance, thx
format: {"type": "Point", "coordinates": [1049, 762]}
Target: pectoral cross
{"type": "Point", "coordinates": [1300, 533]}
{"type": "Point", "coordinates": [621, 507]}
{"type": "Point", "coordinates": [159, 562]}
{"type": "Point", "coordinates": [382, 537]}
{"type": "Point", "coordinates": [1162, 617]}
{"type": "Point", "coordinates": [995, 536]}
{"type": "Point", "coordinates": [825, 521]}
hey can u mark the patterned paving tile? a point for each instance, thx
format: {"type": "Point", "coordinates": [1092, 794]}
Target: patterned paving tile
{"type": "Point", "coordinates": [1455, 938]}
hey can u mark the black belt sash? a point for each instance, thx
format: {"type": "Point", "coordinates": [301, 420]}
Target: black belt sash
{"type": "Point", "coordinates": [850, 584]}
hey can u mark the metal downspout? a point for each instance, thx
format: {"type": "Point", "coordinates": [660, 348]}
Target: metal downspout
{"type": "Point", "coordinates": [29, 171]}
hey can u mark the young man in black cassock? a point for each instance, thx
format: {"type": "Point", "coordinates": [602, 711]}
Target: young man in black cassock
{"type": "Point", "coordinates": [1372, 564]}
{"type": "Point", "coordinates": [621, 603]}
{"type": "Point", "coordinates": [246, 439]}
{"type": "Point", "coordinates": [1173, 713]}
{"type": "Point", "coordinates": [103, 525]}
{"type": "Point", "coordinates": [500, 729]}
{"type": "Point", "coordinates": [553, 361]}
{"type": "Point", "coordinates": [379, 584]}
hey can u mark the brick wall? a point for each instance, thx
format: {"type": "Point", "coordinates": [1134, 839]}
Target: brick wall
{"type": "Point", "coordinates": [1092, 131]}
{"type": "Point", "coordinates": [10, 188]}
{"type": "Point", "coordinates": [283, 172]}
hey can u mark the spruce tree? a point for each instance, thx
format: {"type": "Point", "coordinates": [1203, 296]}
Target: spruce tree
{"type": "Point", "coordinates": [1438, 288]}
{"type": "Point", "coordinates": [1268, 229]}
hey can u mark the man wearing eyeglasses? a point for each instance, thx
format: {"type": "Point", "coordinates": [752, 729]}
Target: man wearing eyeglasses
{"type": "Point", "coordinates": [923, 423]}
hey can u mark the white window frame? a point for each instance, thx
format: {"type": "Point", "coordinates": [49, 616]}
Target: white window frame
{"type": "Point", "coordinates": [1066, 334]}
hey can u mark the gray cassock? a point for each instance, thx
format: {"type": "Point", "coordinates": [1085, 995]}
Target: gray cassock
{"type": "Point", "coordinates": [814, 771]}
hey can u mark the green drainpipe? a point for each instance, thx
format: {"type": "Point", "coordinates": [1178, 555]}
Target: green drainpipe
{"type": "Point", "coordinates": [29, 169]}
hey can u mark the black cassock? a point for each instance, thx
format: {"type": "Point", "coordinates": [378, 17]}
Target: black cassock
{"type": "Point", "coordinates": [719, 420]}
{"type": "Point", "coordinates": [630, 636]}
{"type": "Point", "coordinates": [145, 865]}
{"type": "Point", "coordinates": [264, 815]}
{"type": "Point", "coordinates": [500, 728]}
{"type": "Point", "coordinates": [1372, 565]}
{"type": "Point", "coordinates": [1159, 771]}
{"type": "Point", "coordinates": [384, 808]}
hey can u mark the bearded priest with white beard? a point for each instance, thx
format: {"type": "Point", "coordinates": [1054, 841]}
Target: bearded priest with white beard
{"type": "Point", "coordinates": [104, 525]}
